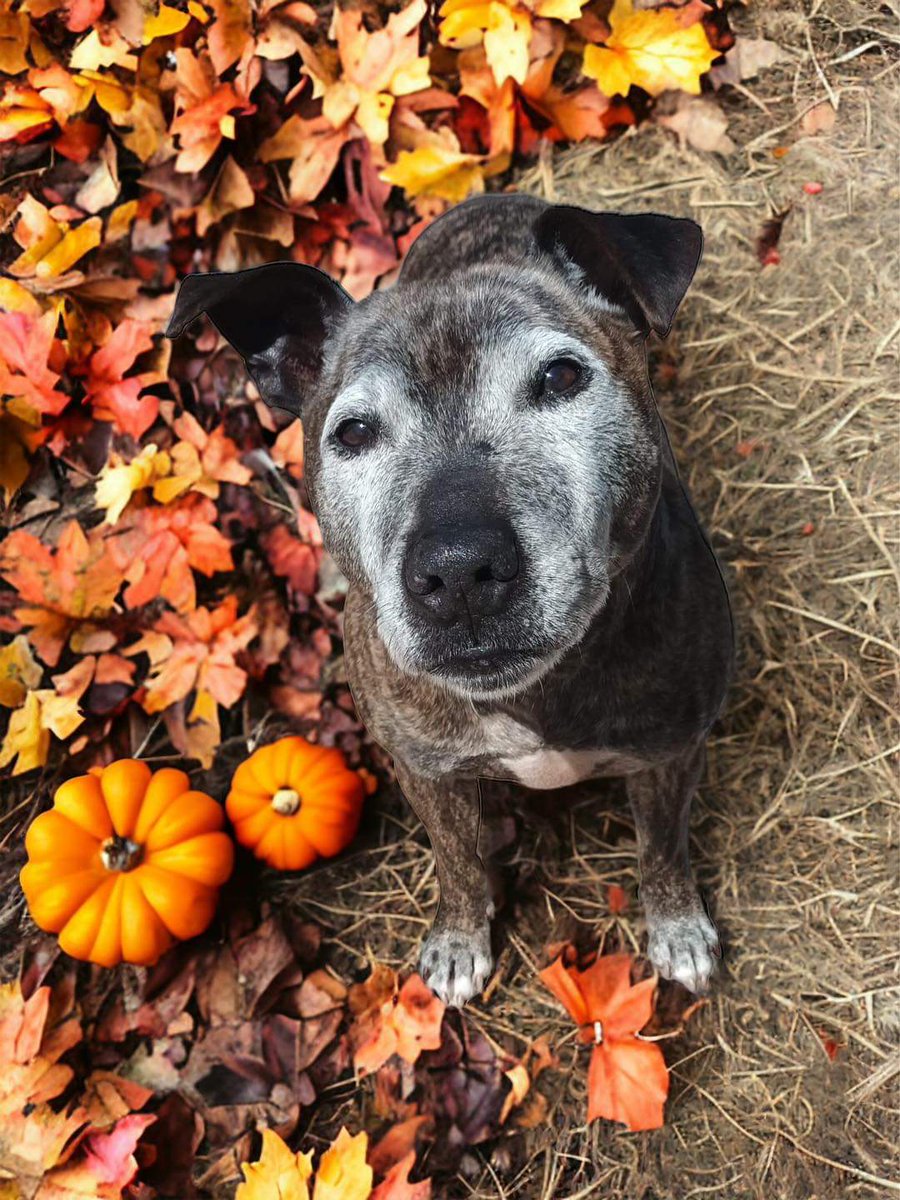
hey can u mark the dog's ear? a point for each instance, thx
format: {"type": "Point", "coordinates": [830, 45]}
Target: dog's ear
{"type": "Point", "coordinates": [643, 263]}
{"type": "Point", "coordinates": [276, 316]}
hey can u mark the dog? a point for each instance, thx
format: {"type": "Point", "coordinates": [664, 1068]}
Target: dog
{"type": "Point", "coordinates": [531, 595]}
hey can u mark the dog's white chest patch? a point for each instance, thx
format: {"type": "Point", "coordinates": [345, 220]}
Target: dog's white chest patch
{"type": "Point", "coordinates": [522, 754]}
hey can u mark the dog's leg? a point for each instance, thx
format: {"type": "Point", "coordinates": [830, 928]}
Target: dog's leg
{"type": "Point", "coordinates": [683, 944]}
{"type": "Point", "coordinates": [455, 960]}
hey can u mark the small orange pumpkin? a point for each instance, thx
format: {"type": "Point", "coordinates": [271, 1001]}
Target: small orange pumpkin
{"type": "Point", "coordinates": [292, 802]}
{"type": "Point", "coordinates": [125, 863]}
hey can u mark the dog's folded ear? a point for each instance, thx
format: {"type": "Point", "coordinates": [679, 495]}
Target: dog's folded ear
{"type": "Point", "coordinates": [643, 264]}
{"type": "Point", "coordinates": [276, 316]}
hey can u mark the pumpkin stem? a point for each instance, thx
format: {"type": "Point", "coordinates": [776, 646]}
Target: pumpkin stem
{"type": "Point", "coordinates": [286, 801]}
{"type": "Point", "coordinates": [120, 854]}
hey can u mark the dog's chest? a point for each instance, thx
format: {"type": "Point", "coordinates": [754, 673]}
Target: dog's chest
{"type": "Point", "coordinates": [519, 753]}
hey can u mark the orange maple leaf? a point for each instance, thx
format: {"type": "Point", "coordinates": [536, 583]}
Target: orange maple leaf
{"type": "Point", "coordinates": [113, 397]}
{"type": "Point", "coordinates": [76, 582]}
{"type": "Point", "coordinates": [293, 559]}
{"type": "Point", "coordinates": [203, 646]}
{"type": "Point", "coordinates": [390, 1019]}
{"type": "Point", "coordinates": [30, 1051]}
{"type": "Point", "coordinates": [200, 462]}
{"type": "Point", "coordinates": [627, 1080]}
{"type": "Point", "coordinates": [159, 546]}
{"type": "Point", "coordinates": [29, 352]}
{"type": "Point", "coordinates": [205, 110]}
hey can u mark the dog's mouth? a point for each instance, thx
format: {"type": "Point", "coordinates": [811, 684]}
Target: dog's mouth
{"type": "Point", "coordinates": [483, 672]}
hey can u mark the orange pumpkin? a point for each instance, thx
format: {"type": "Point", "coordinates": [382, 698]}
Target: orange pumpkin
{"type": "Point", "coordinates": [125, 863]}
{"type": "Point", "coordinates": [292, 802]}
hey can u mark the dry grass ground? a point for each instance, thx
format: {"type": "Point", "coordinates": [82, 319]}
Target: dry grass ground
{"type": "Point", "coordinates": [783, 412]}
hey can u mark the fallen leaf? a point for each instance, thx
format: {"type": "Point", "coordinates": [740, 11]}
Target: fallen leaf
{"type": "Point", "coordinates": [119, 480]}
{"type": "Point", "coordinates": [818, 119]}
{"type": "Point", "coordinates": [396, 1184]}
{"type": "Point", "coordinates": [746, 58]}
{"type": "Point", "coordinates": [27, 739]}
{"type": "Point", "coordinates": [390, 1019]}
{"type": "Point", "coordinates": [278, 1174]}
{"type": "Point", "coordinates": [19, 672]}
{"type": "Point", "coordinates": [29, 350]}
{"type": "Point", "coordinates": [77, 581]}
{"type": "Point", "coordinates": [628, 1080]}
{"type": "Point", "coordinates": [699, 123]}
{"type": "Point", "coordinates": [343, 1173]}
{"type": "Point", "coordinates": [112, 396]}
{"type": "Point", "coordinates": [200, 462]}
{"type": "Point", "coordinates": [437, 167]}
{"type": "Point", "coordinates": [653, 49]}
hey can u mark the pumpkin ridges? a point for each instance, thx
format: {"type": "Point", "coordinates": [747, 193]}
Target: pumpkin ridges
{"type": "Point", "coordinates": [79, 933]}
{"type": "Point", "coordinates": [81, 801]}
{"type": "Point", "coordinates": [124, 799]}
{"type": "Point", "coordinates": [330, 794]}
{"type": "Point", "coordinates": [283, 757]}
{"type": "Point", "coordinates": [242, 804]}
{"type": "Point", "coordinates": [299, 850]}
{"type": "Point", "coordinates": [99, 894]}
{"type": "Point", "coordinates": [260, 767]}
{"type": "Point", "coordinates": [330, 839]}
{"type": "Point", "coordinates": [140, 925]}
{"type": "Point", "coordinates": [191, 814]}
{"type": "Point", "coordinates": [315, 770]}
{"type": "Point", "coordinates": [107, 947]}
{"type": "Point", "coordinates": [51, 830]}
{"type": "Point", "coordinates": [163, 790]}
{"type": "Point", "coordinates": [271, 845]}
{"type": "Point", "coordinates": [184, 906]}
{"type": "Point", "coordinates": [251, 828]}
{"type": "Point", "coordinates": [121, 782]}
{"type": "Point", "coordinates": [207, 858]}
{"type": "Point", "coordinates": [54, 895]}
{"type": "Point", "coordinates": [343, 796]}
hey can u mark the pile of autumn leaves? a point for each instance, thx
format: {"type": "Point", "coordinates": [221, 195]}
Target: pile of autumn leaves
{"type": "Point", "coordinates": [161, 1089]}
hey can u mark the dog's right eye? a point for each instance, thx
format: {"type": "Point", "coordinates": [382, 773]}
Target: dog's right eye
{"type": "Point", "coordinates": [354, 434]}
{"type": "Point", "coordinates": [560, 377]}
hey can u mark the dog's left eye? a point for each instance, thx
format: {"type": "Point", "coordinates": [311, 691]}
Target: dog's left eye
{"type": "Point", "coordinates": [354, 434]}
{"type": "Point", "coordinates": [560, 376]}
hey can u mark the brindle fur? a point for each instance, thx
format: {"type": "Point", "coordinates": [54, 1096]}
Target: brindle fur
{"type": "Point", "coordinates": [637, 690]}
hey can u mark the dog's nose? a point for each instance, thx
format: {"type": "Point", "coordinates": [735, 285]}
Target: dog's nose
{"type": "Point", "coordinates": [455, 571]}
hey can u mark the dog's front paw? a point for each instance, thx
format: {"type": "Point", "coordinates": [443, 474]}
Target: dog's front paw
{"type": "Point", "coordinates": [456, 964]}
{"type": "Point", "coordinates": [685, 948]}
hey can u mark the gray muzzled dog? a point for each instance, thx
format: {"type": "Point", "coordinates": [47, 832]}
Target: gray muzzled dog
{"type": "Point", "coordinates": [531, 597]}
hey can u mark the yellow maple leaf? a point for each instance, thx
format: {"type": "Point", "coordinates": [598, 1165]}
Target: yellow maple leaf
{"type": "Point", "coordinates": [118, 480]}
{"type": "Point", "coordinates": [200, 462]}
{"type": "Point", "coordinates": [28, 735]}
{"type": "Point", "coordinates": [437, 167]}
{"type": "Point", "coordinates": [651, 49]}
{"type": "Point", "coordinates": [19, 671]}
{"type": "Point", "coordinates": [343, 1173]}
{"type": "Point", "coordinates": [504, 26]}
{"type": "Point", "coordinates": [277, 1172]}
{"type": "Point", "coordinates": [50, 248]}
{"type": "Point", "coordinates": [164, 23]}
{"type": "Point", "coordinates": [369, 71]}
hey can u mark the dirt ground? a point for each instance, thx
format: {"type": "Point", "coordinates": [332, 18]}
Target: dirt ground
{"type": "Point", "coordinates": [779, 387]}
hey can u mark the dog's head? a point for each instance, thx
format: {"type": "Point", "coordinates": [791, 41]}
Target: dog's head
{"type": "Point", "coordinates": [483, 448]}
